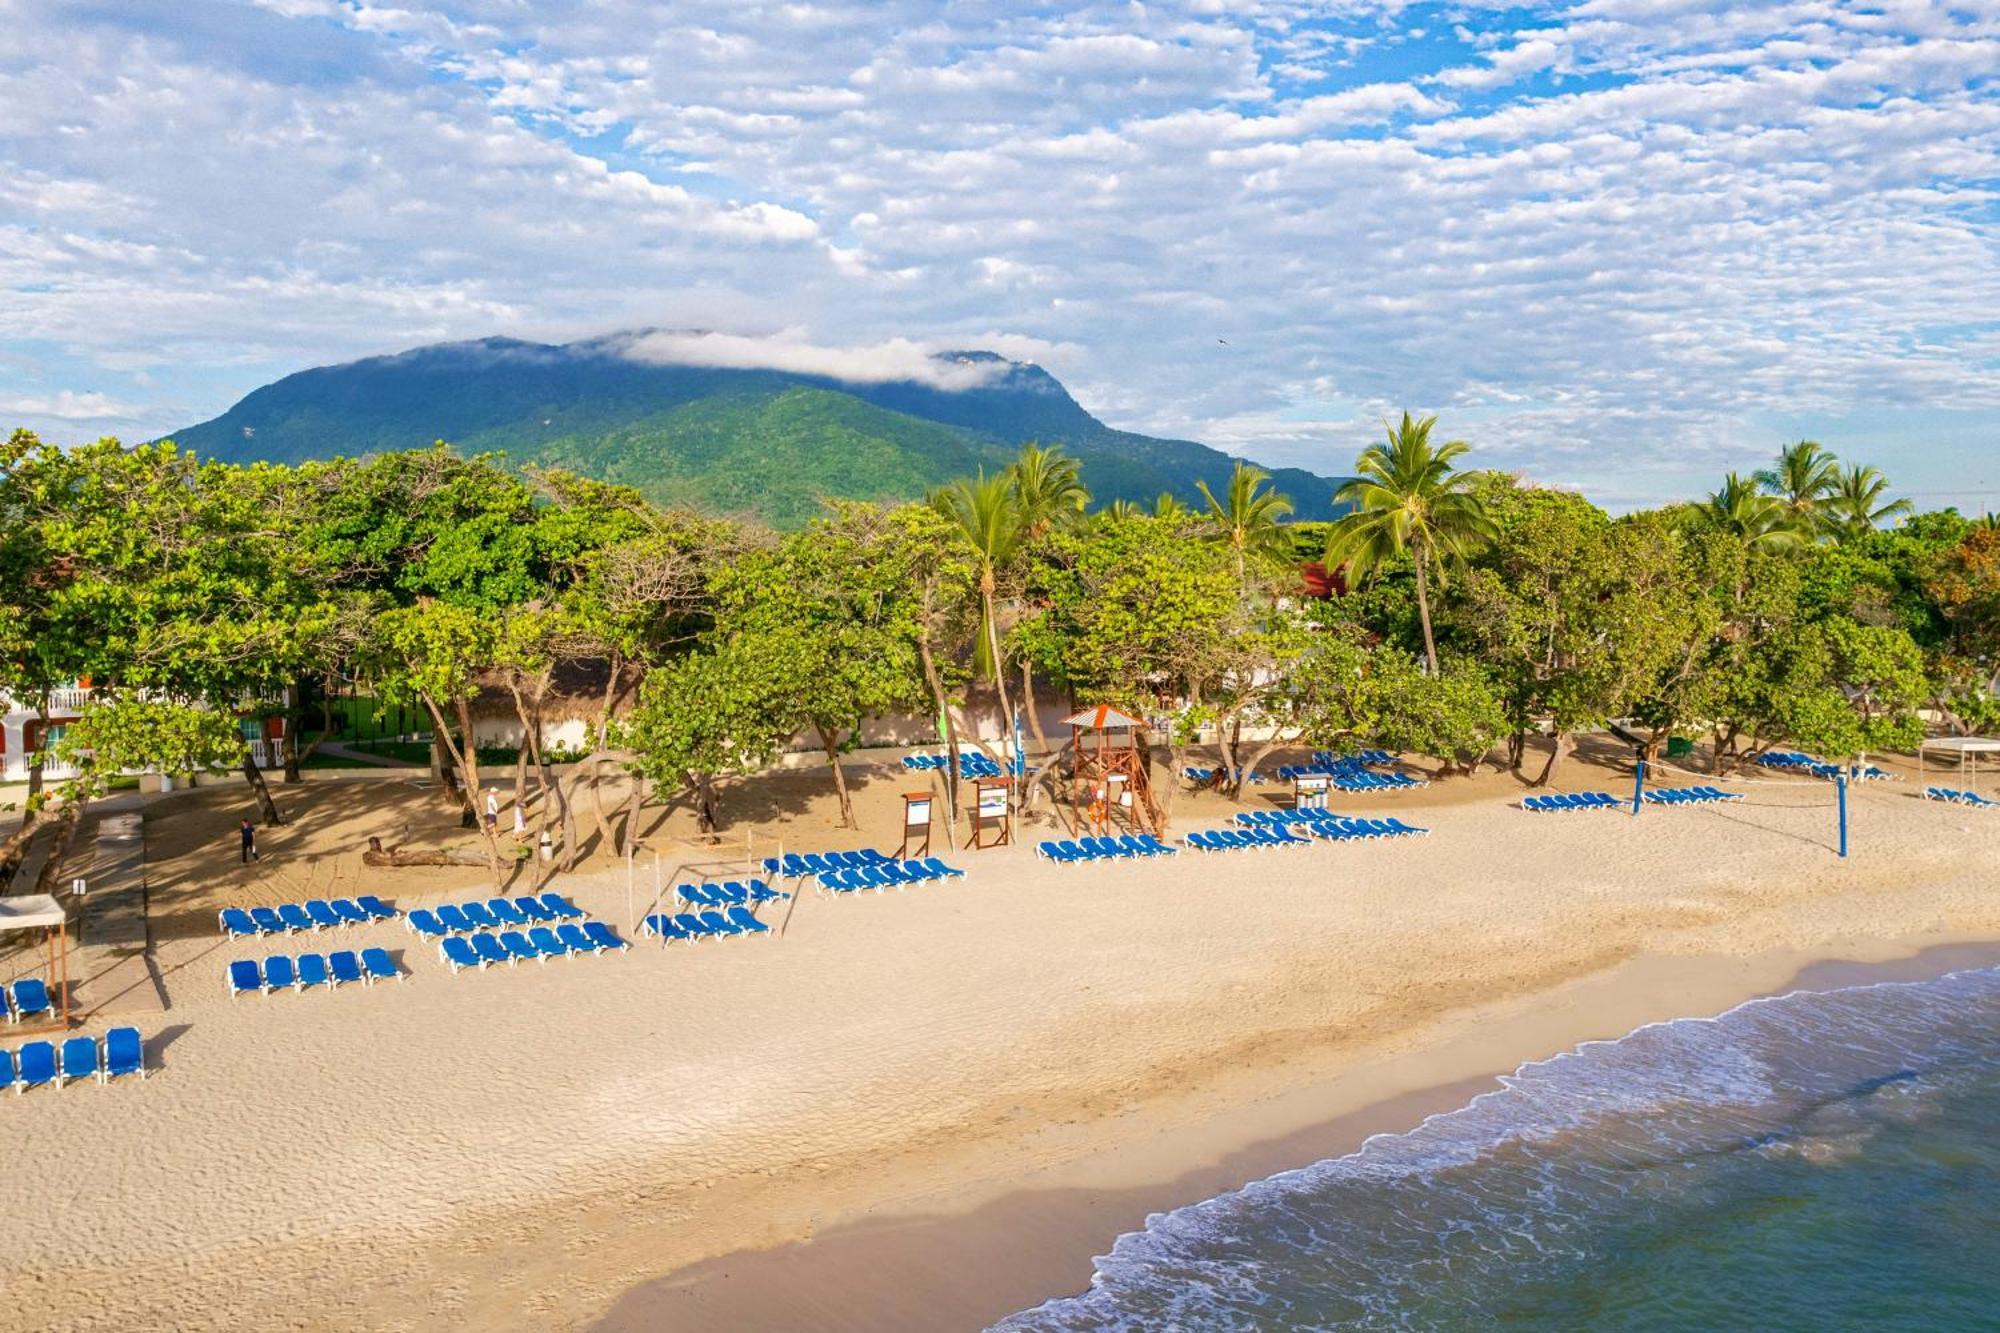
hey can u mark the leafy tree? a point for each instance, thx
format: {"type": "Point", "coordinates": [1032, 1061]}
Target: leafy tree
{"type": "Point", "coordinates": [1855, 507]}
{"type": "Point", "coordinates": [988, 517]}
{"type": "Point", "coordinates": [1408, 500]}
{"type": "Point", "coordinates": [1762, 521]}
{"type": "Point", "coordinates": [1806, 475]}
{"type": "Point", "coordinates": [706, 715]}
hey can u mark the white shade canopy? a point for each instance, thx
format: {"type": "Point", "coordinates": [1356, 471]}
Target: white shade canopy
{"type": "Point", "coordinates": [35, 911]}
{"type": "Point", "coordinates": [1965, 744]}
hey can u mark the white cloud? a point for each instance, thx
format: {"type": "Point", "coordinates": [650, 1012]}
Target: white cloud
{"type": "Point", "coordinates": [892, 360]}
{"type": "Point", "coordinates": [69, 406]}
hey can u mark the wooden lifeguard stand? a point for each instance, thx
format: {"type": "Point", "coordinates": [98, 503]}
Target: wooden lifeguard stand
{"type": "Point", "coordinates": [1110, 770]}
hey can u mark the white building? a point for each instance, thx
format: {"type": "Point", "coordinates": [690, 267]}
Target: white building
{"type": "Point", "coordinates": [22, 732]}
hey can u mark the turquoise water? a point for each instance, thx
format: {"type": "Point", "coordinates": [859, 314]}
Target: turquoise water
{"type": "Point", "coordinates": [1821, 1160]}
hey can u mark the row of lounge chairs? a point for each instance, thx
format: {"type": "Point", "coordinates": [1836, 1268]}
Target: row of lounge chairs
{"type": "Point", "coordinates": [1069, 852]}
{"type": "Point", "coordinates": [887, 875]}
{"type": "Point", "coordinates": [313, 914]}
{"type": "Point", "coordinates": [1236, 840]}
{"type": "Point", "coordinates": [1358, 757]}
{"type": "Point", "coordinates": [1575, 800]}
{"type": "Point", "coordinates": [730, 894]}
{"type": "Point", "coordinates": [1690, 795]}
{"type": "Point", "coordinates": [711, 925]}
{"type": "Point", "coordinates": [1793, 761]}
{"type": "Point", "coordinates": [1958, 797]}
{"type": "Point", "coordinates": [971, 764]}
{"type": "Point", "coordinates": [27, 998]}
{"type": "Point", "coordinates": [42, 1062]}
{"type": "Point", "coordinates": [1208, 775]}
{"type": "Point", "coordinates": [1325, 823]}
{"type": "Point", "coordinates": [1362, 779]}
{"type": "Point", "coordinates": [802, 865]}
{"type": "Point", "coordinates": [493, 914]}
{"type": "Point", "coordinates": [310, 971]}
{"type": "Point", "coordinates": [539, 944]}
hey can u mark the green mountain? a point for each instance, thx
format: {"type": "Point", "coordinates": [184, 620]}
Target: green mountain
{"type": "Point", "coordinates": [753, 441]}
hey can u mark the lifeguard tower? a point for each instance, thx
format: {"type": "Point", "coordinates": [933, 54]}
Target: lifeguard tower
{"type": "Point", "coordinates": [1110, 784]}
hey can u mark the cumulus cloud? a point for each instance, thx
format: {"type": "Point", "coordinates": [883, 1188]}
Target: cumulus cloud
{"type": "Point", "coordinates": [1620, 227]}
{"type": "Point", "coordinates": [68, 406]}
{"type": "Point", "coordinates": [891, 360]}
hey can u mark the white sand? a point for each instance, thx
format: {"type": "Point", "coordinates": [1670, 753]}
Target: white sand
{"type": "Point", "coordinates": [515, 1147]}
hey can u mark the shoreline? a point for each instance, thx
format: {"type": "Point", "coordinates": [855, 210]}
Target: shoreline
{"type": "Point", "coordinates": [966, 1257]}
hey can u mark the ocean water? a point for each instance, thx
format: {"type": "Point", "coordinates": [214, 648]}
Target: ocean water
{"type": "Point", "coordinates": [1821, 1160]}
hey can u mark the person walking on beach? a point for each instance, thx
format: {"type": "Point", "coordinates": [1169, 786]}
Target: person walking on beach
{"type": "Point", "coordinates": [493, 812]}
{"type": "Point", "coordinates": [248, 832]}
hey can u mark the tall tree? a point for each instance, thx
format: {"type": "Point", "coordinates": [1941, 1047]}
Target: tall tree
{"type": "Point", "coordinates": [1409, 500]}
{"type": "Point", "coordinates": [1763, 522]}
{"type": "Point", "coordinates": [1805, 476]}
{"type": "Point", "coordinates": [1249, 520]}
{"type": "Point", "coordinates": [988, 516]}
{"type": "Point", "coordinates": [1855, 506]}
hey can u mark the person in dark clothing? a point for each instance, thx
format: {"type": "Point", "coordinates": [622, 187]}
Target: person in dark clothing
{"type": "Point", "coordinates": [249, 833]}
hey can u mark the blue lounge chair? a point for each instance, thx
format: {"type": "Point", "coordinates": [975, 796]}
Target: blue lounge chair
{"type": "Point", "coordinates": [322, 914]}
{"type": "Point", "coordinates": [939, 870]}
{"type": "Point", "coordinates": [79, 1060]}
{"type": "Point", "coordinates": [267, 921]}
{"type": "Point", "coordinates": [7, 1069]}
{"type": "Point", "coordinates": [279, 974]}
{"type": "Point", "coordinates": [457, 950]}
{"type": "Point", "coordinates": [1051, 852]}
{"type": "Point", "coordinates": [1155, 846]}
{"type": "Point", "coordinates": [31, 997]}
{"type": "Point", "coordinates": [604, 937]}
{"type": "Point", "coordinates": [488, 948]}
{"type": "Point", "coordinates": [379, 965]}
{"type": "Point", "coordinates": [738, 893]}
{"type": "Point", "coordinates": [235, 921]}
{"type": "Point", "coordinates": [572, 934]}
{"type": "Point", "coordinates": [124, 1053]}
{"type": "Point", "coordinates": [562, 906]}
{"type": "Point", "coordinates": [505, 911]}
{"type": "Point", "coordinates": [740, 918]}
{"type": "Point", "coordinates": [665, 927]}
{"type": "Point", "coordinates": [312, 971]}
{"type": "Point", "coordinates": [423, 921]}
{"type": "Point", "coordinates": [375, 907]}
{"type": "Point", "coordinates": [519, 950]}
{"type": "Point", "coordinates": [760, 892]}
{"type": "Point", "coordinates": [344, 966]}
{"type": "Point", "coordinates": [715, 923]}
{"type": "Point", "coordinates": [454, 920]}
{"type": "Point", "coordinates": [37, 1066]}
{"type": "Point", "coordinates": [547, 942]}
{"type": "Point", "coordinates": [350, 912]}
{"type": "Point", "coordinates": [833, 881]}
{"type": "Point", "coordinates": [695, 893]}
{"type": "Point", "coordinates": [244, 977]}
{"type": "Point", "coordinates": [695, 927]}
{"type": "Point", "coordinates": [294, 917]}
{"type": "Point", "coordinates": [481, 919]}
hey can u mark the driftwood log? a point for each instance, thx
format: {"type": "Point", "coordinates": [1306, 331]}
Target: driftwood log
{"type": "Point", "coordinates": [378, 855]}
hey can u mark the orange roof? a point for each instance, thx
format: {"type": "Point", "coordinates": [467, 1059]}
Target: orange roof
{"type": "Point", "coordinates": [1101, 718]}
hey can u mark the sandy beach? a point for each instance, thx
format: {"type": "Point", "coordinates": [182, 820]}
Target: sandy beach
{"type": "Point", "coordinates": [958, 1093]}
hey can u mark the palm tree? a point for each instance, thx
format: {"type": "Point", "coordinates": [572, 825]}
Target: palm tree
{"type": "Point", "coordinates": [1167, 505]}
{"type": "Point", "coordinates": [1409, 499]}
{"type": "Point", "coordinates": [1764, 522]}
{"type": "Point", "coordinates": [1120, 511]}
{"type": "Point", "coordinates": [1250, 519]}
{"type": "Point", "coordinates": [1048, 489]}
{"type": "Point", "coordinates": [1855, 503]}
{"type": "Point", "coordinates": [1806, 475]}
{"type": "Point", "coordinates": [986, 512]}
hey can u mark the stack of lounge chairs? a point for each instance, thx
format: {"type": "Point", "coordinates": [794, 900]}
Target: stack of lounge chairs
{"type": "Point", "coordinates": [1793, 762]}
{"type": "Point", "coordinates": [311, 971]}
{"type": "Point", "coordinates": [1690, 795]}
{"type": "Point", "coordinates": [886, 875]}
{"type": "Point", "coordinates": [804, 865]}
{"type": "Point", "coordinates": [493, 914]}
{"type": "Point", "coordinates": [27, 998]}
{"type": "Point", "coordinates": [1208, 774]}
{"type": "Point", "coordinates": [537, 944]}
{"type": "Point", "coordinates": [1576, 800]}
{"type": "Point", "coordinates": [729, 894]}
{"type": "Point", "coordinates": [691, 927]}
{"type": "Point", "coordinates": [313, 914]}
{"type": "Point", "coordinates": [40, 1063]}
{"type": "Point", "coordinates": [1958, 797]}
{"type": "Point", "coordinates": [1296, 828]}
{"type": "Point", "coordinates": [1124, 847]}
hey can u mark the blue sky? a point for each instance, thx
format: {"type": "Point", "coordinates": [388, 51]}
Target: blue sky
{"type": "Point", "coordinates": [1624, 245]}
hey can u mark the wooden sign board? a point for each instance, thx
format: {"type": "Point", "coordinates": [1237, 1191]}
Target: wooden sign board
{"type": "Point", "coordinates": [1309, 791]}
{"type": "Point", "coordinates": [916, 825]}
{"type": "Point", "coordinates": [992, 817]}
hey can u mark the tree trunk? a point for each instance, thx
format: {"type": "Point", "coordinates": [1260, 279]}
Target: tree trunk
{"type": "Point", "coordinates": [936, 683]}
{"type": "Point", "coordinates": [1229, 739]}
{"type": "Point", "coordinates": [521, 774]}
{"type": "Point", "coordinates": [288, 743]}
{"type": "Point", "coordinates": [1257, 759]}
{"type": "Point", "coordinates": [635, 806]}
{"type": "Point", "coordinates": [706, 816]}
{"type": "Point", "coordinates": [1517, 749]}
{"type": "Point", "coordinates": [466, 760]}
{"type": "Point", "coordinates": [265, 802]}
{"type": "Point", "coordinates": [379, 856]}
{"type": "Point", "coordinates": [1028, 705]}
{"type": "Point", "coordinates": [999, 669]}
{"type": "Point", "coordinates": [67, 821]}
{"type": "Point", "coordinates": [36, 752]}
{"type": "Point", "coordinates": [831, 742]}
{"type": "Point", "coordinates": [15, 849]}
{"type": "Point", "coordinates": [1564, 743]}
{"type": "Point", "coordinates": [1424, 614]}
